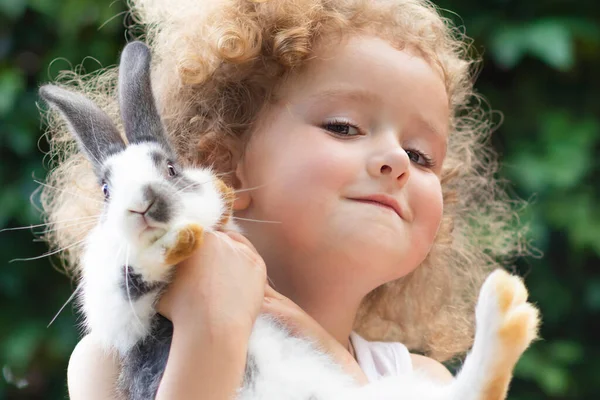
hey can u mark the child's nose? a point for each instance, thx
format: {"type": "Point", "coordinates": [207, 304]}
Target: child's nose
{"type": "Point", "coordinates": [392, 164]}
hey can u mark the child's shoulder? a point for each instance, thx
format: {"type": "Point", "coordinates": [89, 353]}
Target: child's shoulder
{"type": "Point", "coordinates": [378, 359]}
{"type": "Point", "coordinates": [431, 367]}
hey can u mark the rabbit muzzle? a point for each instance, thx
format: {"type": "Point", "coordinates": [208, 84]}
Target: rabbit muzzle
{"type": "Point", "coordinates": [149, 217]}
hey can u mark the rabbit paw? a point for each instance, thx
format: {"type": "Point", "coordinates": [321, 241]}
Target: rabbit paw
{"type": "Point", "coordinates": [179, 244]}
{"type": "Point", "coordinates": [503, 307]}
{"type": "Point", "coordinates": [506, 325]}
{"type": "Point", "coordinates": [171, 248]}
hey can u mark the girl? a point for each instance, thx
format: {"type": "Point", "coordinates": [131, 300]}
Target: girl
{"type": "Point", "coordinates": [365, 189]}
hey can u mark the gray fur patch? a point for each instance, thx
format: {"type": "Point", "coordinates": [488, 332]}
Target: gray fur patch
{"type": "Point", "coordinates": [134, 286]}
{"type": "Point", "coordinates": [142, 368]}
{"type": "Point", "coordinates": [160, 210]}
{"type": "Point", "coordinates": [107, 174]}
{"type": "Point", "coordinates": [250, 373]}
{"type": "Point", "coordinates": [158, 159]}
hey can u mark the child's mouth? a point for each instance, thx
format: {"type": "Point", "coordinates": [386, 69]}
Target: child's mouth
{"type": "Point", "coordinates": [384, 203]}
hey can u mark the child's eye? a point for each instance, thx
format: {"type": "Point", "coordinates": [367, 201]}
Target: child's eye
{"type": "Point", "coordinates": [420, 158]}
{"type": "Point", "coordinates": [342, 128]}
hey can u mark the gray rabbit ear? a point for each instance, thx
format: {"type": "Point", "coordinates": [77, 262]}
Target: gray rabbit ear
{"type": "Point", "coordinates": [138, 108]}
{"type": "Point", "coordinates": [95, 132]}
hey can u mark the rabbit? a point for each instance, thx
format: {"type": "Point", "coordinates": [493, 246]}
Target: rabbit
{"type": "Point", "coordinates": [155, 214]}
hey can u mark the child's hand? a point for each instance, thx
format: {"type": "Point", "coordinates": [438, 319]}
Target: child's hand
{"type": "Point", "coordinates": [220, 287]}
{"type": "Point", "coordinates": [302, 324]}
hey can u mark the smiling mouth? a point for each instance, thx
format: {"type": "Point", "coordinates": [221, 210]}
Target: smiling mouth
{"type": "Point", "coordinates": [378, 204]}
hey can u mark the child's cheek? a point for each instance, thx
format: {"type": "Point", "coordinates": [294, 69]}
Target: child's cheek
{"type": "Point", "coordinates": [428, 210]}
{"type": "Point", "coordinates": [311, 182]}
{"type": "Point", "coordinates": [319, 165]}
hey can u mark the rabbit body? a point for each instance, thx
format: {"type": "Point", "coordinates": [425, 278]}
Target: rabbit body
{"type": "Point", "coordinates": [123, 269]}
{"type": "Point", "coordinates": [281, 366]}
{"type": "Point", "coordinates": [155, 216]}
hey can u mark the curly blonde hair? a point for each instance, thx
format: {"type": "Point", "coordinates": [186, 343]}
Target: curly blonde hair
{"type": "Point", "coordinates": [218, 63]}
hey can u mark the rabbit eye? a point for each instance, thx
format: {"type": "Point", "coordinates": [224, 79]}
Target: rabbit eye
{"type": "Point", "coordinates": [171, 169]}
{"type": "Point", "coordinates": [105, 190]}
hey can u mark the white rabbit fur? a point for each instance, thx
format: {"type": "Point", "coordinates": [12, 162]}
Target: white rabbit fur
{"type": "Point", "coordinates": [121, 314]}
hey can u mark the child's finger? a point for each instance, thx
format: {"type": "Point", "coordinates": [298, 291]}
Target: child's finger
{"type": "Point", "coordinates": [238, 237]}
{"type": "Point", "coordinates": [241, 245]}
{"type": "Point", "coordinates": [290, 317]}
{"type": "Point", "coordinates": [272, 293]}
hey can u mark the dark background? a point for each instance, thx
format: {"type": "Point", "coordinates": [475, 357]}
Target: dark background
{"type": "Point", "coordinates": [541, 70]}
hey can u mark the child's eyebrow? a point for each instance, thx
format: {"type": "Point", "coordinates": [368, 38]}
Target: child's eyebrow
{"type": "Point", "coordinates": [354, 94]}
{"type": "Point", "coordinates": [430, 128]}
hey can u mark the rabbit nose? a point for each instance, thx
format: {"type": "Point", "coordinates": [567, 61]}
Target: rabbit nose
{"type": "Point", "coordinates": [154, 206]}
{"type": "Point", "coordinates": [159, 206]}
{"type": "Point", "coordinates": [146, 210]}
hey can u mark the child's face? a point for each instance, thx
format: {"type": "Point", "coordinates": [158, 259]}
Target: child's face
{"type": "Point", "coordinates": [363, 120]}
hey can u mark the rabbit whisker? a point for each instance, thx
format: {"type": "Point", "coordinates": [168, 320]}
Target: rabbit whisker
{"type": "Point", "coordinates": [64, 305]}
{"type": "Point", "coordinates": [179, 178]}
{"type": "Point", "coordinates": [137, 318]}
{"type": "Point", "coordinates": [49, 253]}
{"type": "Point", "coordinates": [196, 184]}
{"type": "Point", "coordinates": [249, 189]}
{"type": "Point", "coordinates": [189, 186]}
{"type": "Point", "coordinates": [68, 192]}
{"type": "Point", "coordinates": [81, 224]}
{"type": "Point", "coordinates": [193, 185]}
{"type": "Point", "coordinates": [92, 217]}
{"type": "Point", "coordinates": [204, 183]}
{"type": "Point", "coordinates": [220, 174]}
{"type": "Point", "coordinates": [256, 220]}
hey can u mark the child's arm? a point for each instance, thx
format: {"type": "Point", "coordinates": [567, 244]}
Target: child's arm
{"type": "Point", "coordinates": [208, 362]}
{"type": "Point", "coordinates": [92, 372]}
{"type": "Point", "coordinates": [213, 301]}
{"type": "Point", "coordinates": [216, 372]}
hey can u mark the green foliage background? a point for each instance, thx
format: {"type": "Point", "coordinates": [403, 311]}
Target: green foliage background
{"type": "Point", "coordinates": [541, 69]}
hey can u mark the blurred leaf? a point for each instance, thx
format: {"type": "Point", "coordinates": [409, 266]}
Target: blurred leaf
{"type": "Point", "coordinates": [592, 295]}
{"type": "Point", "coordinates": [19, 347]}
{"type": "Point", "coordinates": [76, 14]}
{"type": "Point", "coordinates": [566, 352]}
{"type": "Point", "coordinates": [9, 201]}
{"type": "Point", "coordinates": [13, 8]}
{"type": "Point", "coordinates": [548, 365]}
{"type": "Point", "coordinates": [552, 42]}
{"type": "Point", "coordinates": [11, 83]}
{"type": "Point", "coordinates": [554, 381]}
{"type": "Point", "coordinates": [507, 46]}
{"type": "Point", "coordinates": [549, 40]}
{"type": "Point", "coordinates": [561, 158]}
{"type": "Point", "coordinates": [581, 219]}
{"type": "Point", "coordinates": [20, 140]}
{"type": "Point", "coordinates": [47, 7]}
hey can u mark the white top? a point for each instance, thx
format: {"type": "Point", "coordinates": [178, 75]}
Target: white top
{"type": "Point", "coordinates": [379, 359]}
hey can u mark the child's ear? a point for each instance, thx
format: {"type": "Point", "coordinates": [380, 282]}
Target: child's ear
{"type": "Point", "coordinates": [243, 197]}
